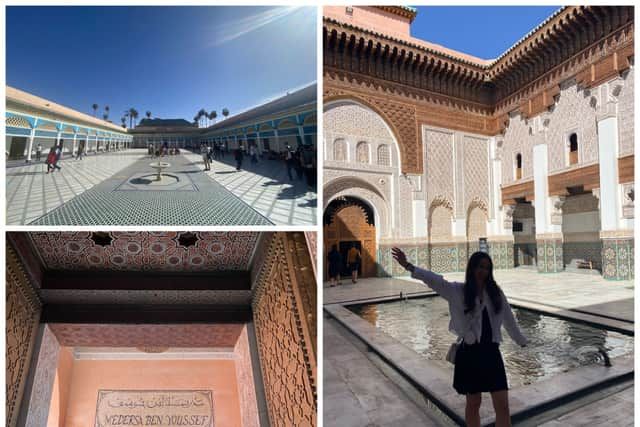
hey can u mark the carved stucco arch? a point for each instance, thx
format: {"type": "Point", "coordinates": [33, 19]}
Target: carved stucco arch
{"type": "Point", "coordinates": [329, 101]}
{"type": "Point", "coordinates": [438, 201]}
{"type": "Point", "coordinates": [368, 193]}
{"type": "Point", "coordinates": [478, 202]}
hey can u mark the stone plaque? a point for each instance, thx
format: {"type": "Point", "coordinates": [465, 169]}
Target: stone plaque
{"type": "Point", "coordinates": [166, 408]}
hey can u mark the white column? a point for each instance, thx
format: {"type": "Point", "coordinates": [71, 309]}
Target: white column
{"type": "Point", "coordinates": [277, 147]}
{"type": "Point", "coordinates": [31, 138]}
{"type": "Point", "coordinates": [542, 202]}
{"type": "Point", "coordinates": [301, 133]}
{"type": "Point", "coordinates": [58, 138]}
{"type": "Point", "coordinates": [608, 162]}
{"type": "Point", "coordinates": [73, 150]}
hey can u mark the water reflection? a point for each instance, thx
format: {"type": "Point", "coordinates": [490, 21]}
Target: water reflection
{"type": "Point", "coordinates": [555, 345]}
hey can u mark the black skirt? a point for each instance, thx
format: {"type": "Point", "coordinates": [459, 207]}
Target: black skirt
{"type": "Point", "coordinates": [479, 368]}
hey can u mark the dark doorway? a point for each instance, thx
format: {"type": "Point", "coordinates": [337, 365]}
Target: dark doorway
{"type": "Point", "coordinates": [18, 145]}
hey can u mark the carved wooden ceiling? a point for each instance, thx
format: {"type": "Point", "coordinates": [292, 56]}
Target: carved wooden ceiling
{"type": "Point", "coordinates": [145, 251]}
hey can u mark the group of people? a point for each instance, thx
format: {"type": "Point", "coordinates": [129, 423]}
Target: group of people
{"type": "Point", "coordinates": [54, 156]}
{"type": "Point", "coordinates": [164, 150]}
{"type": "Point", "coordinates": [304, 161]}
{"type": "Point", "coordinates": [336, 264]}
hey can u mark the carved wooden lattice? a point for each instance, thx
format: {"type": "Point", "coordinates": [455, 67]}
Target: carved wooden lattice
{"type": "Point", "coordinates": [282, 316]}
{"type": "Point", "coordinates": [23, 314]}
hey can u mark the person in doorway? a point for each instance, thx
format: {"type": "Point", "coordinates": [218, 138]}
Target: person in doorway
{"type": "Point", "coordinates": [204, 151]}
{"type": "Point", "coordinates": [353, 262]}
{"type": "Point", "coordinates": [239, 156]}
{"type": "Point", "coordinates": [478, 309]}
{"type": "Point", "coordinates": [335, 265]}
{"type": "Point", "coordinates": [38, 152]}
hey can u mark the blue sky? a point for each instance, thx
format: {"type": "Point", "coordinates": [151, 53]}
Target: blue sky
{"type": "Point", "coordinates": [169, 60]}
{"type": "Point", "coordinates": [482, 31]}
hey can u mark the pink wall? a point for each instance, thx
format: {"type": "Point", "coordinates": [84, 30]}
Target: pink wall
{"type": "Point", "coordinates": [90, 375]}
{"type": "Point", "coordinates": [371, 18]}
{"type": "Point", "coordinates": [60, 394]}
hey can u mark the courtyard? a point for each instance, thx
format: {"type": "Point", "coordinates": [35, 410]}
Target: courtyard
{"type": "Point", "coordinates": [107, 189]}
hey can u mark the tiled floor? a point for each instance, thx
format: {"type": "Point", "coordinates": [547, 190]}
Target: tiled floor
{"type": "Point", "coordinates": [105, 190]}
{"type": "Point", "coordinates": [31, 193]}
{"type": "Point", "coordinates": [115, 202]}
{"type": "Point", "coordinates": [266, 187]}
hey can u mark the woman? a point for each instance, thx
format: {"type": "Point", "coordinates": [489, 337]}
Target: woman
{"type": "Point", "coordinates": [478, 307]}
{"type": "Point", "coordinates": [335, 265]}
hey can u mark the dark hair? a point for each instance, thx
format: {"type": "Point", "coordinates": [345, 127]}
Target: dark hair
{"type": "Point", "coordinates": [470, 290]}
{"type": "Point", "coordinates": [334, 247]}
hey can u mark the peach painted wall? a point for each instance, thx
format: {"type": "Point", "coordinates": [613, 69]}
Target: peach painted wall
{"type": "Point", "coordinates": [371, 18]}
{"type": "Point", "coordinates": [91, 375]}
{"type": "Point", "coordinates": [60, 393]}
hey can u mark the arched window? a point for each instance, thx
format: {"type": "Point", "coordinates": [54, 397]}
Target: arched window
{"type": "Point", "coordinates": [573, 149]}
{"type": "Point", "coordinates": [518, 166]}
{"type": "Point", "coordinates": [362, 152]}
{"type": "Point", "coordinates": [383, 155]}
{"type": "Point", "coordinates": [339, 150]}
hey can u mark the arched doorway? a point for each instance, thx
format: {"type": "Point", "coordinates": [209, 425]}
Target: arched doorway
{"type": "Point", "coordinates": [349, 221]}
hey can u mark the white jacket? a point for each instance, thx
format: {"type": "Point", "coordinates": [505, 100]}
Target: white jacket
{"type": "Point", "coordinates": [469, 326]}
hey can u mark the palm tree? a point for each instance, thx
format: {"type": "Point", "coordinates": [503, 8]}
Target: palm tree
{"type": "Point", "coordinates": [133, 115]}
{"type": "Point", "coordinates": [225, 112]}
{"type": "Point", "coordinates": [202, 113]}
{"type": "Point", "coordinates": [148, 114]}
{"type": "Point", "coordinates": [105, 116]}
{"type": "Point", "coordinates": [213, 115]}
{"type": "Point", "coordinates": [95, 109]}
{"type": "Point", "coordinates": [124, 121]}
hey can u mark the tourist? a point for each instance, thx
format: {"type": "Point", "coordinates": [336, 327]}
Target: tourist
{"type": "Point", "coordinates": [353, 262]}
{"type": "Point", "coordinates": [478, 307]}
{"type": "Point", "coordinates": [204, 151]}
{"type": "Point", "coordinates": [335, 265]}
{"type": "Point", "coordinates": [309, 164]}
{"type": "Point", "coordinates": [52, 159]}
{"type": "Point", "coordinates": [239, 156]}
{"type": "Point", "coordinates": [253, 152]}
{"type": "Point", "coordinates": [38, 152]}
{"type": "Point", "coordinates": [79, 153]}
{"type": "Point", "coordinates": [291, 161]}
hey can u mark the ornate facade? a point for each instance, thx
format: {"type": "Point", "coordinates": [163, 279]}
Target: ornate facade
{"type": "Point", "coordinates": [522, 150]}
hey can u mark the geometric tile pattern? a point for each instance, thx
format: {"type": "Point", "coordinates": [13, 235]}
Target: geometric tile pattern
{"type": "Point", "coordinates": [145, 251]}
{"type": "Point", "coordinates": [31, 193]}
{"type": "Point", "coordinates": [102, 204]}
{"type": "Point", "coordinates": [550, 255]}
{"type": "Point", "coordinates": [131, 335]}
{"type": "Point", "coordinates": [617, 259]}
{"type": "Point", "coordinates": [265, 187]}
{"type": "Point", "coordinates": [442, 257]}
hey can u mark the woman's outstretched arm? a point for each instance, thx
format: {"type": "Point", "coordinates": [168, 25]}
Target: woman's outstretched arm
{"type": "Point", "coordinates": [433, 280]}
{"type": "Point", "coordinates": [510, 323]}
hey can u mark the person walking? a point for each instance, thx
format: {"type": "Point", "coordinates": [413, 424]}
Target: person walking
{"type": "Point", "coordinates": [239, 156]}
{"type": "Point", "coordinates": [51, 158]}
{"type": "Point", "coordinates": [291, 161]}
{"type": "Point", "coordinates": [309, 165]}
{"type": "Point", "coordinates": [253, 154]}
{"type": "Point", "coordinates": [353, 262]}
{"type": "Point", "coordinates": [478, 309]}
{"type": "Point", "coordinates": [38, 152]}
{"type": "Point", "coordinates": [204, 151]}
{"type": "Point", "coordinates": [335, 265]}
{"type": "Point", "coordinates": [80, 152]}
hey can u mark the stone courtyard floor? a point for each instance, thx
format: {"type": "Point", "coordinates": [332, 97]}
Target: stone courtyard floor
{"type": "Point", "coordinates": [353, 384]}
{"type": "Point", "coordinates": [113, 189]}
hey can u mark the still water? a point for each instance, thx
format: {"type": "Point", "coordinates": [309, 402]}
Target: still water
{"type": "Point", "coordinates": [555, 345]}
